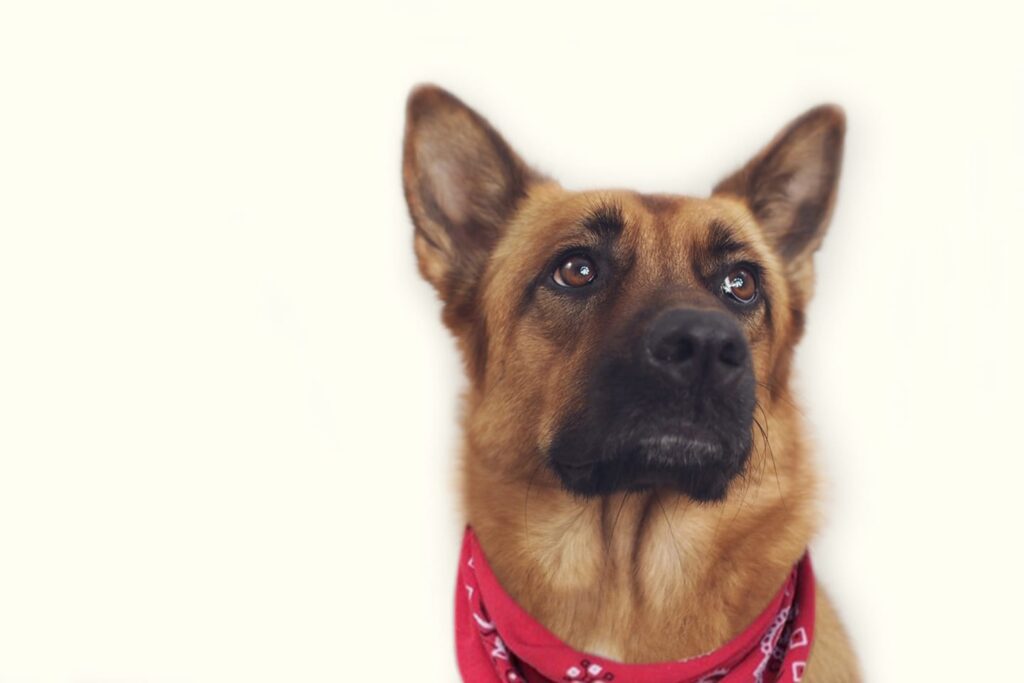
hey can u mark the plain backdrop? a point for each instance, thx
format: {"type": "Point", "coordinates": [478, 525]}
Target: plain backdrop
{"type": "Point", "coordinates": [228, 407]}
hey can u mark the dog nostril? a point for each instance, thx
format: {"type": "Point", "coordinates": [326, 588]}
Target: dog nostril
{"type": "Point", "coordinates": [731, 353]}
{"type": "Point", "coordinates": [676, 349]}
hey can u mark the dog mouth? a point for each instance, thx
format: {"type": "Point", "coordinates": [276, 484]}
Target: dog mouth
{"type": "Point", "coordinates": [689, 459]}
{"type": "Point", "coordinates": [681, 421]}
{"type": "Point", "coordinates": [692, 445]}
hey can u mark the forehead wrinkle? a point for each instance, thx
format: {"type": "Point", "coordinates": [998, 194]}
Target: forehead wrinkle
{"type": "Point", "coordinates": [642, 241]}
{"type": "Point", "coordinates": [681, 232]}
{"type": "Point", "coordinates": [661, 239]}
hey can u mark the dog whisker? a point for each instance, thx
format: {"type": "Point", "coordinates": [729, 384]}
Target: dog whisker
{"type": "Point", "coordinates": [768, 445]}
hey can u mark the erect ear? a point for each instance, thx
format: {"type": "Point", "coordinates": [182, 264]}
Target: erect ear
{"type": "Point", "coordinates": [462, 183]}
{"type": "Point", "coordinates": [790, 186]}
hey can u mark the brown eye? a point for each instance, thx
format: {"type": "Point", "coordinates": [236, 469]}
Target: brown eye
{"type": "Point", "coordinates": [741, 285]}
{"type": "Point", "coordinates": [575, 271]}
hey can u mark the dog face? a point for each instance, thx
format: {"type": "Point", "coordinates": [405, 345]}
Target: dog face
{"type": "Point", "coordinates": [617, 341]}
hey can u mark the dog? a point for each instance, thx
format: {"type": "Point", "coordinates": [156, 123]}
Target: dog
{"type": "Point", "coordinates": [634, 474]}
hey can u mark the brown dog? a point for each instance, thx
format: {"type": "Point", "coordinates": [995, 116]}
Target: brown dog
{"type": "Point", "coordinates": [634, 464]}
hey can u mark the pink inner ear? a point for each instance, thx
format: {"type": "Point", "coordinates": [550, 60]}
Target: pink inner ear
{"type": "Point", "coordinates": [449, 187]}
{"type": "Point", "coordinates": [809, 168]}
{"type": "Point", "coordinates": [446, 176]}
{"type": "Point", "coordinates": [806, 182]}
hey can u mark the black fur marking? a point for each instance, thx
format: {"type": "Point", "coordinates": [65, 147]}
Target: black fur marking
{"type": "Point", "coordinates": [606, 221]}
{"type": "Point", "coordinates": [721, 242]}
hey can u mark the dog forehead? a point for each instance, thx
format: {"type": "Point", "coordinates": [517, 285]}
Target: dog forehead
{"type": "Point", "coordinates": [655, 226]}
{"type": "Point", "coordinates": [670, 226]}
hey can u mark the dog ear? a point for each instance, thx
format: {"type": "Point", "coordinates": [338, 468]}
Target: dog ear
{"type": "Point", "coordinates": [462, 183]}
{"type": "Point", "coordinates": [790, 186]}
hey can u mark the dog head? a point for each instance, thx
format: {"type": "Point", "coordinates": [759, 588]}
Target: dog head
{"type": "Point", "coordinates": [617, 341]}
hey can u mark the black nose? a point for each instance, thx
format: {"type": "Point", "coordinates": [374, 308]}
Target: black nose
{"type": "Point", "coordinates": [695, 345]}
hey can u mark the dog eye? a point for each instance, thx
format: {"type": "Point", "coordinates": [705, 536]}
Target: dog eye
{"type": "Point", "coordinates": [576, 271]}
{"type": "Point", "coordinates": [741, 285]}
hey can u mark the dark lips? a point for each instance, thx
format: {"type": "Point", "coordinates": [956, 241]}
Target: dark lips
{"type": "Point", "coordinates": [690, 460]}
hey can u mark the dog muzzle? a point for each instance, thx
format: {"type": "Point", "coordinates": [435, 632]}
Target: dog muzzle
{"type": "Point", "coordinates": [496, 640]}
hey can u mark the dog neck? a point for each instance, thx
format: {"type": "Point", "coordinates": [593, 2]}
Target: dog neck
{"type": "Point", "coordinates": [652, 575]}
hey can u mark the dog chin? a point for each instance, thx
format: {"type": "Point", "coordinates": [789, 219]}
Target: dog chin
{"type": "Point", "coordinates": [697, 466]}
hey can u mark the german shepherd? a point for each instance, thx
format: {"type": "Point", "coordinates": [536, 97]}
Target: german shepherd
{"type": "Point", "coordinates": [634, 465]}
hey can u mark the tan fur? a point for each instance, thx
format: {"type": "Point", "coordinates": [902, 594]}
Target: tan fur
{"type": "Point", "coordinates": [832, 659]}
{"type": "Point", "coordinates": [635, 577]}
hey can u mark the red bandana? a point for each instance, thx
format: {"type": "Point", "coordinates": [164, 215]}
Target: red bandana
{"type": "Point", "coordinates": [496, 640]}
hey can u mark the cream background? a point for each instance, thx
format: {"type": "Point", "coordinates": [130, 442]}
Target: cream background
{"type": "Point", "coordinates": [227, 407]}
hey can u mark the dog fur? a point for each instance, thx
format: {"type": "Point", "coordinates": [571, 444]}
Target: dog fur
{"type": "Point", "coordinates": [651, 573]}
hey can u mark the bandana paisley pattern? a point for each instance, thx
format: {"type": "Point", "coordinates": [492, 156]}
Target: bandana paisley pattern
{"type": "Point", "coordinates": [497, 641]}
